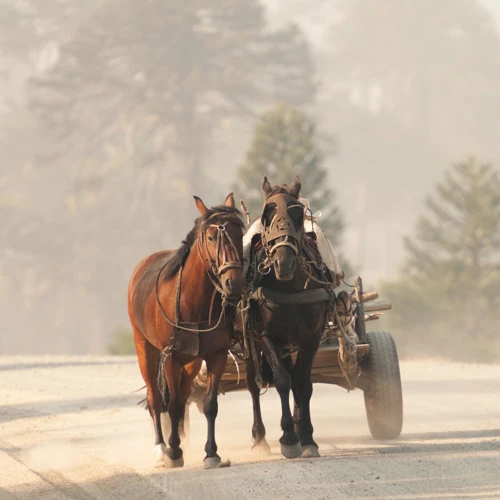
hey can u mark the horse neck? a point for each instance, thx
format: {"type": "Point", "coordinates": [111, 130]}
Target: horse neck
{"type": "Point", "coordinates": [197, 289]}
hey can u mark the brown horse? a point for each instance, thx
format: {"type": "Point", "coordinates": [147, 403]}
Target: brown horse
{"type": "Point", "coordinates": [290, 311]}
{"type": "Point", "coordinates": [179, 304]}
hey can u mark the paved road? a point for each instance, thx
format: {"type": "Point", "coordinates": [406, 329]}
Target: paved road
{"type": "Point", "coordinates": [70, 429]}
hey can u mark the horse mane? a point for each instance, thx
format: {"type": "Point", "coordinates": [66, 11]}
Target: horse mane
{"type": "Point", "coordinates": [218, 213]}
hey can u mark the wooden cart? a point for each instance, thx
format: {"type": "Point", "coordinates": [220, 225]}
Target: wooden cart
{"type": "Point", "coordinates": [377, 374]}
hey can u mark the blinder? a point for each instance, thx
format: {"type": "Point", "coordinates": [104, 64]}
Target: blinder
{"type": "Point", "coordinates": [282, 224]}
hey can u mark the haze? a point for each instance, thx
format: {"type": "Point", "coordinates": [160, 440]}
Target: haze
{"type": "Point", "coordinates": [112, 116]}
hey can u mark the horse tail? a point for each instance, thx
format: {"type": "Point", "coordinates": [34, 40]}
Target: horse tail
{"type": "Point", "coordinates": [144, 403]}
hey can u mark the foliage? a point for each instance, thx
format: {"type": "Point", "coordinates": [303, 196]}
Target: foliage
{"type": "Point", "coordinates": [158, 78]}
{"type": "Point", "coordinates": [285, 145]}
{"type": "Point", "coordinates": [113, 136]}
{"type": "Point", "coordinates": [450, 286]}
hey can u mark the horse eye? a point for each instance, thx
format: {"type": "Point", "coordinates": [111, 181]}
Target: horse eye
{"type": "Point", "coordinates": [210, 238]}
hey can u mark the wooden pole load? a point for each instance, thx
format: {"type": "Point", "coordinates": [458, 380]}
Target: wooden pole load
{"type": "Point", "coordinates": [383, 305]}
{"type": "Point", "coordinates": [367, 296]}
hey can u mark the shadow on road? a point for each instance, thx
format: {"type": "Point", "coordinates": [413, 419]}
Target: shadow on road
{"type": "Point", "coordinates": [424, 436]}
{"type": "Point", "coordinates": [65, 406]}
{"type": "Point", "coordinates": [65, 364]}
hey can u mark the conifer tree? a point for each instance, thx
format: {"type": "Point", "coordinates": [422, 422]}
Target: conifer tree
{"type": "Point", "coordinates": [285, 145]}
{"type": "Point", "coordinates": [450, 286]}
{"type": "Point", "coordinates": [458, 241]}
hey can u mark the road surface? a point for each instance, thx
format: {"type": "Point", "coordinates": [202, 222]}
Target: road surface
{"type": "Point", "coordinates": [70, 429]}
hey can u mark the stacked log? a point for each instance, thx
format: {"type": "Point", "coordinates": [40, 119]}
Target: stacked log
{"type": "Point", "coordinates": [372, 316]}
{"type": "Point", "coordinates": [373, 311]}
{"type": "Point", "coordinates": [384, 305]}
{"type": "Point", "coordinates": [367, 297]}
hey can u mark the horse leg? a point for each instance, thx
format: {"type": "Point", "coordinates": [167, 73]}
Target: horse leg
{"type": "Point", "coordinates": [260, 445]}
{"type": "Point", "coordinates": [176, 408]}
{"type": "Point", "coordinates": [303, 388]}
{"type": "Point", "coordinates": [216, 364]}
{"type": "Point", "coordinates": [189, 372]}
{"type": "Point", "coordinates": [297, 414]}
{"type": "Point", "coordinates": [290, 445]}
{"type": "Point", "coordinates": [147, 356]}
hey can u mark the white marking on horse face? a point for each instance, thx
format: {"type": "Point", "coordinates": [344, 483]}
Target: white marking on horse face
{"type": "Point", "coordinates": [160, 452]}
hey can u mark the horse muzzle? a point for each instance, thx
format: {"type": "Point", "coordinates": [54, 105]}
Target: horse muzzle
{"type": "Point", "coordinates": [232, 285]}
{"type": "Point", "coordinates": [284, 268]}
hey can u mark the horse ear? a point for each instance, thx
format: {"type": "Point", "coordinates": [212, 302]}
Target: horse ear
{"type": "Point", "coordinates": [266, 187]}
{"type": "Point", "coordinates": [296, 185]}
{"type": "Point", "coordinates": [229, 202]}
{"type": "Point", "coordinates": [200, 205]}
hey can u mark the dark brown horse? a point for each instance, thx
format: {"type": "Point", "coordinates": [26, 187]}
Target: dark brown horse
{"type": "Point", "coordinates": [179, 306]}
{"type": "Point", "coordinates": [290, 312]}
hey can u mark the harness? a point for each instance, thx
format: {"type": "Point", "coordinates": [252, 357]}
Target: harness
{"type": "Point", "coordinates": [187, 338]}
{"type": "Point", "coordinates": [281, 231]}
{"type": "Point", "coordinates": [220, 266]}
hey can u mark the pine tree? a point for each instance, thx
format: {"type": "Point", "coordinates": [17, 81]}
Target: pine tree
{"type": "Point", "coordinates": [458, 242]}
{"type": "Point", "coordinates": [158, 77]}
{"type": "Point", "coordinates": [128, 112]}
{"type": "Point", "coordinates": [451, 280]}
{"type": "Point", "coordinates": [284, 145]}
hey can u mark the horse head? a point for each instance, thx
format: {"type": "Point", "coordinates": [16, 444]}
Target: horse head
{"type": "Point", "coordinates": [220, 235]}
{"type": "Point", "coordinates": [282, 227]}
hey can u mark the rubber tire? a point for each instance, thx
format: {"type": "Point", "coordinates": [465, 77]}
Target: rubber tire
{"type": "Point", "coordinates": [383, 392]}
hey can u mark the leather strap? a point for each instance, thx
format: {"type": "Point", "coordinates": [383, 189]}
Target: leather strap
{"type": "Point", "coordinates": [289, 298]}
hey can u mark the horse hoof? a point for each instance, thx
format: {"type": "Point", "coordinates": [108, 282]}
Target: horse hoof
{"type": "Point", "coordinates": [291, 450]}
{"type": "Point", "coordinates": [173, 464]}
{"type": "Point", "coordinates": [310, 451]}
{"type": "Point", "coordinates": [212, 462]}
{"type": "Point", "coordinates": [261, 449]}
{"type": "Point", "coordinates": [160, 452]}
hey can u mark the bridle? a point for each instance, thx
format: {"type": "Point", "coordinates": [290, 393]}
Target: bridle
{"type": "Point", "coordinates": [214, 270]}
{"type": "Point", "coordinates": [281, 231]}
{"type": "Point", "coordinates": [217, 268]}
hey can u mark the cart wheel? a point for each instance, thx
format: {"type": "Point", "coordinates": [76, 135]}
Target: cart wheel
{"type": "Point", "coordinates": [382, 387]}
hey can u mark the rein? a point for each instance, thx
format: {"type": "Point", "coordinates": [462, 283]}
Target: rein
{"type": "Point", "coordinates": [217, 267]}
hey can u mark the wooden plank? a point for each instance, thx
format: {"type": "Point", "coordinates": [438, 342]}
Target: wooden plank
{"type": "Point", "coordinates": [325, 368]}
